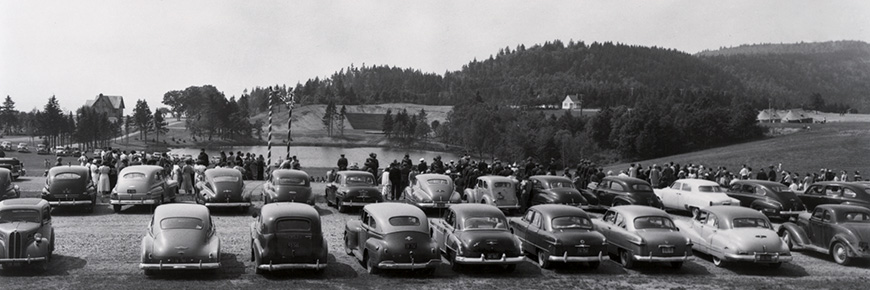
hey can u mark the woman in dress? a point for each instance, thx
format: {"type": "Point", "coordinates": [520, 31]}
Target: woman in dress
{"type": "Point", "coordinates": [187, 177]}
{"type": "Point", "coordinates": [103, 186]}
{"type": "Point", "coordinates": [95, 171]}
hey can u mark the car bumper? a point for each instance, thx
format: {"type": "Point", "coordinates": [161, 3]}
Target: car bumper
{"type": "Point", "coordinates": [483, 261]}
{"type": "Point", "coordinates": [356, 203]}
{"type": "Point", "coordinates": [576, 259]}
{"type": "Point", "coordinates": [69, 202]}
{"type": "Point", "coordinates": [508, 207]}
{"type": "Point", "coordinates": [789, 213]}
{"type": "Point", "coordinates": [21, 260]}
{"type": "Point", "coordinates": [408, 266]}
{"type": "Point", "coordinates": [662, 259]}
{"type": "Point", "coordinates": [227, 204]}
{"type": "Point", "coordinates": [756, 258]}
{"type": "Point", "coordinates": [434, 204]}
{"type": "Point", "coordinates": [133, 202]}
{"type": "Point", "coordinates": [179, 266]}
{"type": "Point", "coordinates": [292, 266]}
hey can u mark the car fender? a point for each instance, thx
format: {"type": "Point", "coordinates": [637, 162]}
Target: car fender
{"type": "Point", "coordinates": [798, 234]}
{"type": "Point", "coordinates": [470, 197]}
{"type": "Point", "coordinates": [351, 232]}
{"type": "Point", "coordinates": [624, 199]}
{"type": "Point", "coordinates": [375, 247]}
{"type": "Point", "coordinates": [761, 203]}
{"type": "Point", "coordinates": [845, 239]}
{"type": "Point", "coordinates": [409, 194]}
{"type": "Point", "coordinates": [147, 244]}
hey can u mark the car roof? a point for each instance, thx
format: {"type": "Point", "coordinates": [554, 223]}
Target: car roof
{"type": "Point", "coordinates": [289, 173]}
{"type": "Point", "coordinates": [465, 210]}
{"type": "Point", "coordinates": [81, 170]}
{"type": "Point", "coordinates": [548, 178]}
{"type": "Point", "coordinates": [843, 184]}
{"type": "Point", "coordinates": [626, 179]}
{"type": "Point", "coordinates": [758, 182]}
{"type": "Point", "coordinates": [550, 211]}
{"type": "Point", "coordinates": [355, 173]}
{"type": "Point", "coordinates": [843, 207]}
{"type": "Point", "coordinates": [181, 210]}
{"type": "Point", "coordinates": [496, 178]}
{"type": "Point", "coordinates": [697, 182]}
{"type": "Point", "coordinates": [278, 210]}
{"type": "Point", "coordinates": [150, 169]}
{"type": "Point", "coordinates": [427, 176]}
{"type": "Point", "coordinates": [633, 211]}
{"type": "Point", "coordinates": [729, 212]}
{"type": "Point", "coordinates": [214, 172]}
{"type": "Point", "coordinates": [383, 211]}
{"type": "Point", "coordinates": [23, 203]}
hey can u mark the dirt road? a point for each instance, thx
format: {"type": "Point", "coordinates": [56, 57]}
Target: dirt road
{"type": "Point", "coordinates": [101, 251]}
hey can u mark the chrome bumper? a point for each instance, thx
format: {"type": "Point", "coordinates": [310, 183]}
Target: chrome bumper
{"type": "Point", "coordinates": [662, 259]}
{"type": "Point", "coordinates": [179, 266]}
{"type": "Point", "coordinates": [408, 266]}
{"type": "Point", "coordinates": [482, 260]}
{"type": "Point", "coordinates": [790, 212]}
{"type": "Point", "coordinates": [508, 206]}
{"type": "Point", "coordinates": [775, 258]}
{"type": "Point", "coordinates": [21, 260]}
{"type": "Point", "coordinates": [227, 204]}
{"type": "Point", "coordinates": [134, 202]}
{"type": "Point", "coordinates": [573, 259]}
{"type": "Point", "coordinates": [434, 204]}
{"type": "Point", "coordinates": [277, 267]}
{"type": "Point", "coordinates": [69, 202]}
{"type": "Point", "coordinates": [355, 203]}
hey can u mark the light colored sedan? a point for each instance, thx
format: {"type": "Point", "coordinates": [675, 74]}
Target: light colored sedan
{"type": "Point", "coordinates": [736, 234]}
{"type": "Point", "coordinates": [180, 237]}
{"type": "Point", "coordinates": [693, 195]}
{"type": "Point", "coordinates": [432, 191]}
{"type": "Point", "coordinates": [637, 233]}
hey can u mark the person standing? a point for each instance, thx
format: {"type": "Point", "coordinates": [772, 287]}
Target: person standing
{"type": "Point", "coordinates": [395, 179]}
{"type": "Point", "coordinates": [203, 157]}
{"type": "Point", "coordinates": [342, 163]}
{"type": "Point", "coordinates": [386, 183]}
{"type": "Point", "coordinates": [261, 163]}
{"type": "Point", "coordinates": [187, 174]}
{"type": "Point", "coordinates": [103, 186]}
{"type": "Point", "coordinates": [655, 175]}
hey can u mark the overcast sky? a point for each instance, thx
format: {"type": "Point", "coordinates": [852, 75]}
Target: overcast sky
{"type": "Point", "coordinates": [142, 49]}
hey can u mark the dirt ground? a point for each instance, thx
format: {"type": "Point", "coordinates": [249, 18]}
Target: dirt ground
{"type": "Point", "coordinates": [101, 251]}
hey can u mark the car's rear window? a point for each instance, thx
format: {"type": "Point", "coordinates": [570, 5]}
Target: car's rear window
{"type": "Point", "coordinates": [291, 181]}
{"type": "Point", "coordinates": [19, 215]}
{"type": "Point", "coordinates": [857, 217]}
{"type": "Point", "coordinates": [502, 184]}
{"type": "Point", "coordinates": [134, 175]}
{"type": "Point", "coordinates": [778, 188]}
{"type": "Point", "coordinates": [183, 223]}
{"type": "Point", "coordinates": [360, 180]}
{"type": "Point", "coordinates": [654, 222]}
{"type": "Point", "coordinates": [560, 184]}
{"type": "Point", "coordinates": [485, 223]}
{"type": "Point", "coordinates": [226, 179]}
{"type": "Point", "coordinates": [437, 181]}
{"type": "Point", "coordinates": [710, 188]}
{"type": "Point", "coordinates": [404, 221]}
{"type": "Point", "coordinates": [641, 187]}
{"type": "Point", "coordinates": [750, 223]}
{"type": "Point", "coordinates": [293, 225]}
{"type": "Point", "coordinates": [67, 175]}
{"type": "Point", "coordinates": [571, 222]}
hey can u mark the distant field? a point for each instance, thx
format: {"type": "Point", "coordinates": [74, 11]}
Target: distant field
{"type": "Point", "coordinates": [362, 121]}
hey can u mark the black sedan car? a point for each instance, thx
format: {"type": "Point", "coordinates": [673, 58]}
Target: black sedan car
{"type": "Point", "coordinates": [560, 233]}
{"type": "Point", "coordinates": [836, 192]}
{"type": "Point", "coordinates": [288, 235]}
{"type": "Point", "coordinates": [288, 185]}
{"type": "Point", "coordinates": [841, 231]}
{"type": "Point", "coordinates": [477, 234]}
{"type": "Point", "coordinates": [773, 199]}
{"type": "Point", "coordinates": [70, 186]}
{"type": "Point", "coordinates": [549, 189]}
{"type": "Point", "coordinates": [621, 190]}
{"type": "Point", "coordinates": [7, 189]}
{"type": "Point", "coordinates": [352, 189]}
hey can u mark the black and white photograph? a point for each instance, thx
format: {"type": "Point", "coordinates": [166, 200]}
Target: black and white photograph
{"type": "Point", "coordinates": [435, 144]}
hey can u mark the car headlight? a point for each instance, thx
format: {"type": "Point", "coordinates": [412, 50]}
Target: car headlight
{"type": "Point", "coordinates": [37, 237]}
{"type": "Point", "coordinates": [45, 191]}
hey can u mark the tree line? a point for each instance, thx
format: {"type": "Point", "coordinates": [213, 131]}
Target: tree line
{"type": "Point", "coordinates": [211, 114]}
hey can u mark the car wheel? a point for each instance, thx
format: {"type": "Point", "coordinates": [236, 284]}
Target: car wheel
{"type": "Point", "coordinates": [150, 273]}
{"type": "Point", "coordinates": [257, 262]}
{"type": "Point", "coordinates": [544, 259]}
{"type": "Point", "coordinates": [341, 208]}
{"type": "Point", "coordinates": [718, 262]}
{"type": "Point", "coordinates": [347, 249]}
{"type": "Point", "coordinates": [840, 253]}
{"type": "Point", "coordinates": [371, 265]}
{"type": "Point", "coordinates": [454, 265]}
{"type": "Point", "coordinates": [676, 265]}
{"type": "Point", "coordinates": [775, 265]}
{"type": "Point", "coordinates": [594, 265]}
{"type": "Point", "coordinates": [116, 208]}
{"type": "Point", "coordinates": [786, 238]}
{"type": "Point", "coordinates": [625, 259]}
{"type": "Point", "coordinates": [695, 211]}
{"type": "Point", "coordinates": [253, 250]}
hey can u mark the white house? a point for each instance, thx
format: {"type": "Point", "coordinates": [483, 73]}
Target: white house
{"type": "Point", "coordinates": [571, 102]}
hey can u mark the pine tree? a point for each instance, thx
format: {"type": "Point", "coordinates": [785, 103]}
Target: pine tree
{"type": "Point", "coordinates": [158, 124]}
{"type": "Point", "coordinates": [387, 124]}
{"type": "Point", "coordinates": [142, 118]}
{"type": "Point", "coordinates": [342, 114]}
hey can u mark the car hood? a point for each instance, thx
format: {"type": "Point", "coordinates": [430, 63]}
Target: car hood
{"type": "Point", "coordinates": [756, 240]}
{"type": "Point", "coordinates": [19, 227]}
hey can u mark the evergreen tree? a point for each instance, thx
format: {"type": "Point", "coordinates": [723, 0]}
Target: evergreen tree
{"type": "Point", "coordinates": [342, 114]}
{"type": "Point", "coordinates": [387, 123]}
{"type": "Point", "coordinates": [8, 115]}
{"type": "Point", "coordinates": [158, 124]}
{"type": "Point", "coordinates": [142, 118]}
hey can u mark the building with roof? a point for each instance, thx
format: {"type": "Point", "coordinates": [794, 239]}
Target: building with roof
{"type": "Point", "coordinates": [571, 102]}
{"type": "Point", "coordinates": [768, 116]}
{"type": "Point", "coordinates": [112, 106]}
{"type": "Point", "coordinates": [797, 116]}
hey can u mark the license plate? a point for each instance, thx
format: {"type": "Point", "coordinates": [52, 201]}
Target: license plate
{"type": "Point", "coordinates": [764, 258]}
{"type": "Point", "coordinates": [293, 245]}
{"type": "Point", "coordinates": [131, 191]}
{"type": "Point", "coordinates": [667, 250]}
{"type": "Point", "coordinates": [493, 256]}
{"type": "Point", "coordinates": [583, 251]}
{"type": "Point", "coordinates": [411, 246]}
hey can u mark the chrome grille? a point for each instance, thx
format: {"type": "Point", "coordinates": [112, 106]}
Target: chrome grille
{"type": "Point", "coordinates": [15, 249]}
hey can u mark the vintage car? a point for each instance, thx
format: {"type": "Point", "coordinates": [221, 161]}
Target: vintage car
{"type": "Point", "coordinates": [288, 235]}
{"type": "Point", "coordinates": [26, 233]}
{"type": "Point", "coordinates": [432, 191]}
{"type": "Point", "coordinates": [352, 189]}
{"type": "Point", "coordinates": [735, 234]}
{"type": "Point", "coordinates": [498, 191]}
{"type": "Point", "coordinates": [7, 189]}
{"type": "Point", "coordinates": [836, 192]}
{"type": "Point", "coordinates": [180, 236]}
{"type": "Point", "coordinates": [560, 233]}
{"type": "Point", "coordinates": [549, 189]}
{"type": "Point", "coordinates": [637, 233]}
{"type": "Point", "coordinates": [476, 234]}
{"type": "Point", "coordinates": [771, 198]}
{"type": "Point", "coordinates": [23, 148]}
{"type": "Point", "coordinates": [41, 149]}
{"type": "Point", "coordinates": [60, 151]}
{"type": "Point", "coordinates": [392, 236]}
{"type": "Point", "coordinates": [222, 187]}
{"type": "Point", "coordinates": [693, 195]}
{"type": "Point", "coordinates": [70, 186]}
{"type": "Point", "coordinates": [6, 146]}
{"type": "Point", "coordinates": [76, 152]}
{"type": "Point", "coordinates": [142, 185]}
{"type": "Point", "coordinates": [15, 166]}
{"type": "Point", "coordinates": [842, 231]}
{"type": "Point", "coordinates": [622, 190]}
{"type": "Point", "coordinates": [288, 185]}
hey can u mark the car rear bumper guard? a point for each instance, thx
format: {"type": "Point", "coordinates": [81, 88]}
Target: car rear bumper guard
{"type": "Point", "coordinates": [292, 266]}
{"type": "Point", "coordinates": [482, 260]}
{"type": "Point", "coordinates": [179, 266]}
{"type": "Point", "coordinates": [409, 266]}
{"type": "Point", "coordinates": [131, 201]}
{"type": "Point", "coordinates": [571, 259]}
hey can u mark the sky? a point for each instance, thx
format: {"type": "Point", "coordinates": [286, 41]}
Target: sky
{"type": "Point", "coordinates": [76, 50]}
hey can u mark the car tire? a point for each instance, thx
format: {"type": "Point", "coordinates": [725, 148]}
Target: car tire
{"type": "Point", "coordinates": [116, 208]}
{"type": "Point", "coordinates": [625, 259]}
{"type": "Point", "coordinates": [150, 273]}
{"type": "Point", "coordinates": [840, 254]}
{"type": "Point", "coordinates": [594, 265]}
{"type": "Point", "coordinates": [718, 262]}
{"type": "Point", "coordinates": [371, 266]}
{"type": "Point", "coordinates": [544, 259]}
{"type": "Point", "coordinates": [676, 265]}
{"type": "Point", "coordinates": [786, 238]}
{"type": "Point", "coordinates": [510, 268]}
{"type": "Point", "coordinates": [341, 208]}
{"type": "Point", "coordinates": [775, 265]}
{"type": "Point", "coordinates": [454, 265]}
{"type": "Point", "coordinates": [347, 249]}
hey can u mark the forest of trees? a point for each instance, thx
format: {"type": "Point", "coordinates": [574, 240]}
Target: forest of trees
{"type": "Point", "coordinates": [210, 114]}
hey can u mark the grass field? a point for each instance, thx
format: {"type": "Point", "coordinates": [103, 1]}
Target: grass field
{"type": "Point", "coordinates": [838, 146]}
{"type": "Point", "coordinates": [363, 121]}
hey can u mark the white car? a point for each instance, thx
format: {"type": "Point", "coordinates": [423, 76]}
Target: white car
{"type": "Point", "coordinates": [693, 195]}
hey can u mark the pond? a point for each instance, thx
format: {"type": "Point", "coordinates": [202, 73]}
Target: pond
{"type": "Point", "coordinates": [327, 157]}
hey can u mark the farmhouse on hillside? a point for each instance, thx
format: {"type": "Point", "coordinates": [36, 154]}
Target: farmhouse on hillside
{"type": "Point", "coordinates": [768, 116]}
{"type": "Point", "coordinates": [112, 106]}
{"type": "Point", "coordinates": [571, 102]}
{"type": "Point", "coordinates": [797, 116]}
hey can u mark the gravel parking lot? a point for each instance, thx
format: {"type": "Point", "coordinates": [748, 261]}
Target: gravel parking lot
{"type": "Point", "coordinates": [101, 251]}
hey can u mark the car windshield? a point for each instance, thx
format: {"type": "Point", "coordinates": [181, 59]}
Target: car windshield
{"type": "Point", "coordinates": [561, 184]}
{"type": "Point", "coordinates": [502, 184]}
{"type": "Point", "coordinates": [857, 217]}
{"type": "Point", "coordinates": [360, 180]}
{"type": "Point", "coordinates": [291, 181]}
{"type": "Point", "coordinates": [437, 181]}
{"type": "Point", "coordinates": [293, 225]}
{"type": "Point", "coordinates": [181, 223]}
{"type": "Point", "coordinates": [654, 222]}
{"type": "Point", "coordinates": [134, 175]}
{"type": "Point", "coordinates": [779, 188]}
{"type": "Point", "coordinates": [404, 221]}
{"type": "Point", "coordinates": [226, 179]}
{"type": "Point", "coordinates": [485, 223]}
{"type": "Point", "coordinates": [571, 222]}
{"type": "Point", "coordinates": [641, 187]}
{"type": "Point", "coordinates": [710, 188]}
{"type": "Point", "coordinates": [19, 215]}
{"type": "Point", "coordinates": [750, 223]}
{"type": "Point", "coordinates": [67, 175]}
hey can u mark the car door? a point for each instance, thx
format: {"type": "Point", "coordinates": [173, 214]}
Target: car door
{"type": "Point", "coordinates": [813, 196]}
{"type": "Point", "coordinates": [442, 228]}
{"type": "Point", "coordinates": [606, 229]}
{"type": "Point", "coordinates": [534, 232]}
{"type": "Point", "coordinates": [538, 194]}
{"type": "Point", "coordinates": [814, 228]}
{"type": "Point", "coordinates": [368, 227]}
{"type": "Point", "coordinates": [601, 191]}
{"type": "Point", "coordinates": [615, 190]}
{"type": "Point", "coordinates": [742, 193]}
{"type": "Point", "coordinates": [670, 196]}
{"type": "Point", "coordinates": [521, 226]}
{"type": "Point", "coordinates": [709, 231]}
{"type": "Point", "coordinates": [699, 225]}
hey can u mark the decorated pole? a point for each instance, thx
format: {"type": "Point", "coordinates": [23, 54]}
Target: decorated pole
{"type": "Point", "coordinates": [269, 153]}
{"type": "Point", "coordinates": [290, 103]}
